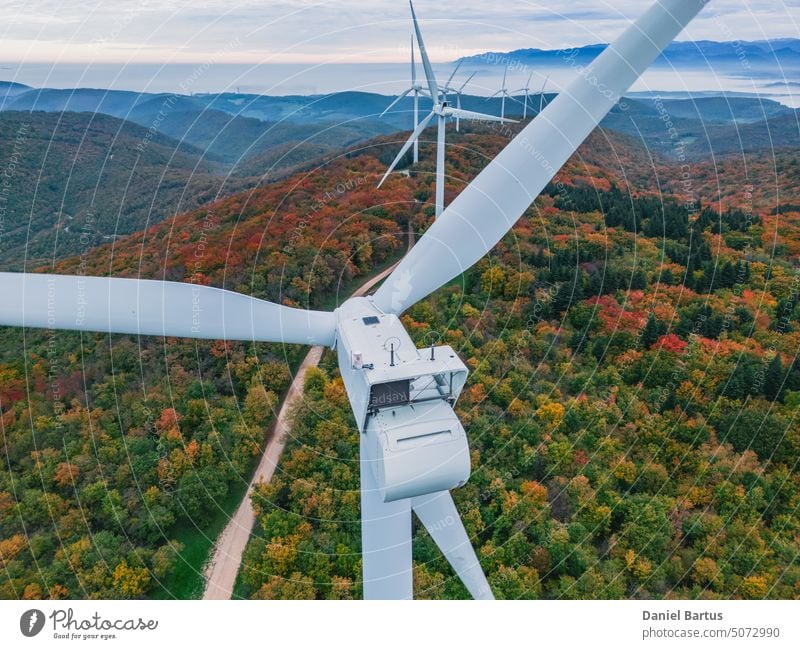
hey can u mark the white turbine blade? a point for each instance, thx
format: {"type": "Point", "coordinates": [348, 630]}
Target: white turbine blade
{"type": "Point", "coordinates": [493, 202]}
{"type": "Point", "coordinates": [544, 85]}
{"type": "Point", "coordinates": [464, 85]}
{"type": "Point", "coordinates": [385, 540]}
{"type": "Point", "coordinates": [528, 82]}
{"type": "Point", "coordinates": [426, 63]}
{"type": "Point", "coordinates": [453, 73]}
{"type": "Point", "coordinates": [417, 132]}
{"type": "Point", "coordinates": [396, 101]}
{"type": "Point", "coordinates": [154, 308]}
{"type": "Point", "coordinates": [480, 117]}
{"type": "Point", "coordinates": [413, 64]}
{"type": "Point", "coordinates": [499, 92]}
{"type": "Point", "coordinates": [505, 74]}
{"type": "Point", "coordinates": [439, 515]}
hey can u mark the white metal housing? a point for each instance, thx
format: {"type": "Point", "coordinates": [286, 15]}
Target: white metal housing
{"type": "Point", "coordinates": [402, 398]}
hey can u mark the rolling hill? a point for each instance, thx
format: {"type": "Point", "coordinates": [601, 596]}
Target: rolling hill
{"type": "Point", "coordinates": [77, 179]}
{"type": "Point", "coordinates": [270, 136]}
{"type": "Point", "coordinates": [238, 141]}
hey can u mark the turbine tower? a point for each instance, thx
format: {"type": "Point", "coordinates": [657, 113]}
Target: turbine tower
{"type": "Point", "coordinates": [448, 89]}
{"type": "Point", "coordinates": [503, 93]}
{"type": "Point", "coordinates": [413, 447]}
{"type": "Point", "coordinates": [441, 110]}
{"type": "Point", "coordinates": [527, 92]}
{"type": "Point", "coordinates": [541, 93]}
{"type": "Point", "coordinates": [418, 90]}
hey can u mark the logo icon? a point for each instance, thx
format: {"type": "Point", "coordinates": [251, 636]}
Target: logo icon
{"type": "Point", "coordinates": [31, 622]}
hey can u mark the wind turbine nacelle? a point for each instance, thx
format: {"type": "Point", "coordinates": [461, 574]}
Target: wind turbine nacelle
{"type": "Point", "coordinates": [402, 398]}
{"type": "Point", "coordinates": [415, 450]}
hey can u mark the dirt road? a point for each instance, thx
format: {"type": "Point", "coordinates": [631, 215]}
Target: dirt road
{"type": "Point", "coordinates": [221, 571]}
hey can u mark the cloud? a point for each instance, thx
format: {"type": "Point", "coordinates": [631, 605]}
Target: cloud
{"type": "Point", "coordinates": [302, 30]}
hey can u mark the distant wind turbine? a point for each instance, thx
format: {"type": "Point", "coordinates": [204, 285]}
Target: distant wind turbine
{"type": "Point", "coordinates": [527, 93]}
{"type": "Point", "coordinates": [503, 92]}
{"type": "Point", "coordinates": [541, 94]}
{"type": "Point", "coordinates": [448, 88]}
{"type": "Point", "coordinates": [441, 110]}
{"type": "Point", "coordinates": [418, 90]}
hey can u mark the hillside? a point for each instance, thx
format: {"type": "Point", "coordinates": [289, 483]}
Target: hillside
{"type": "Point", "coordinates": [78, 179]}
{"type": "Point", "coordinates": [117, 103]}
{"type": "Point", "coordinates": [123, 454]}
{"type": "Point", "coordinates": [251, 134]}
{"type": "Point", "coordinates": [9, 89]}
{"type": "Point", "coordinates": [622, 444]}
{"type": "Point", "coordinates": [631, 406]}
{"type": "Point", "coordinates": [241, 142]}
{"type": "Point", "coordinates": [333, 109]}
{"type": "Point", "coordinates": [708, 126]}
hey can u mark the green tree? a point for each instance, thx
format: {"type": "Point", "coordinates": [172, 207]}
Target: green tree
{"type": "Point", "coordinates": [651, 333]}
{"type": "Point", "coordinates": [773, 381]}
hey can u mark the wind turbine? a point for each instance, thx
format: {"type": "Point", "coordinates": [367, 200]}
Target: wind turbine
{"type": "Point", "coordinates": [441, 110]}
{"type": "Point", "coordinates": [448, 88]}
{"type": "Point", "coordinates": [413, 447]}
{"type": "Point", "coordinates": [503, 93]}
{"type": "Point", "coordinates": [527, 92]}
{"type": "Point", "coordinates": [541, 94]}
{"type": "Point", "coordinates": [418, 90]}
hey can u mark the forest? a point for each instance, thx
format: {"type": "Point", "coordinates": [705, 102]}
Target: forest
{"type": "Point", "coordinates": [631, 407]}
{"type": "Point", "coordinates": [124, 456]}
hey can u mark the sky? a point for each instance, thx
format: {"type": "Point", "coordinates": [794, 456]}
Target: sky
{"type": "Point", "coordinates": [347, 31]}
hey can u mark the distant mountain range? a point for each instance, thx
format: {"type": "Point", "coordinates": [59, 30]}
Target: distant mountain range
{"type": "Point", "coordinates": [229, 128]}
{"type": "Point", "coordinates": [82, 148]}
{"type": "Point", "coordinates": [268, 136]}
{"type": "Point", "coordinates": [784, 52]}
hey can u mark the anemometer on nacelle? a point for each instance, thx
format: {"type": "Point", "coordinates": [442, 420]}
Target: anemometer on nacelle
{"type": "Point", "coordinates": [403, 399]}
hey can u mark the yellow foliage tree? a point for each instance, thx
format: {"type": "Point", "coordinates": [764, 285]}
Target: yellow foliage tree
{"type": "Point", "coordinates": [131, 582]}
{"type": "Point", "coordinates": [551, 413]}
